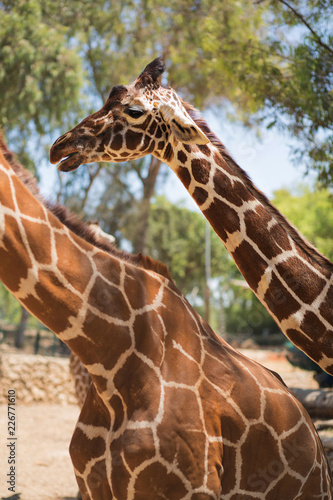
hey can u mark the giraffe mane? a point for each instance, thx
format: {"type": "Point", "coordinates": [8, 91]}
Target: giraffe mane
{"type": "Point", "coordinates": [77, 225]}
{"type": "Point", "coordinates": [305, 245]}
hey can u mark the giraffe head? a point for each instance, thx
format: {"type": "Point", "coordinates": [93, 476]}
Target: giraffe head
{"type": "Point", "coordinates": [136, 120]}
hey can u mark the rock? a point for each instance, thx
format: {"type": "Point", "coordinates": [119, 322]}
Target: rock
{"type": "Point", "coordinates": [36, 378]}
{"type": "Point", "coordinates": [318, 402]}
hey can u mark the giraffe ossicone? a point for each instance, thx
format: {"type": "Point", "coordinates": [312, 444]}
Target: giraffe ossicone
{"type": "Point", "coordinates": [173, 411]}
{"type": "Point", "coordinates": [289, 276]}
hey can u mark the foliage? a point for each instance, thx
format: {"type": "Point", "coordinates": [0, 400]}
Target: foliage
{"type": "Point", "coordinates": [245, 315]}
{"type": "Point", "coordinates": [311, 212]}
{"type": "Point", "coordinates": [54, 55]}
{"type": "Point", "coordinates": [117, 204]}
{"type": "Point", "coordinates": [176, 237]}
{"type": "Point", "coordinates": [45, 45]}
{"type": "Point", "coordinates": [298, 91]}
{"type": "Point", "coordinates": [40, 75]}
{"type": "Point", "coordinates": [10, 309]}
{"type": "Point", "coordinates": [268, 55]}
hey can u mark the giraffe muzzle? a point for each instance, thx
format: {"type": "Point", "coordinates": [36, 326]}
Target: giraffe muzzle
{"type": "Point", "coordinates": [66, 153]}
{"type": "Point", "coordinates": [70, 162]}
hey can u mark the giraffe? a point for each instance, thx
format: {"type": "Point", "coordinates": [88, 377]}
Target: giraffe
{"type": "Point", "coordinates": [79, 373]}
{"type": "Point", "coordinates": [288, 275]}
{"type": "Point", "coordinates": [80, 377]}
{"type": "Point", "coordinates": [173, 411]}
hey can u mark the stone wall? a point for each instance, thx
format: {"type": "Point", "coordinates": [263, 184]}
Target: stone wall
{"type": "Point", "coordinates": [36, 378]}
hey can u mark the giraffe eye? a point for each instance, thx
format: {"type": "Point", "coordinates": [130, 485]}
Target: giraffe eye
{"type": "Point", "coordinates": [134, 112]}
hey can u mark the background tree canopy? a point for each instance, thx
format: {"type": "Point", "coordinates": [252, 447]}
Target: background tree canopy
{"type": "Point", "coordinates": [271, 59]}
{"type": "Point", "coordinates": [266, 63]}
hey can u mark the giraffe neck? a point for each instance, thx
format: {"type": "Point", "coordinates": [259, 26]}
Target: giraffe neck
{"type": "Point", "coordinates": [290, 277]}
{"type": "Point", "coordinates": [89, 298]}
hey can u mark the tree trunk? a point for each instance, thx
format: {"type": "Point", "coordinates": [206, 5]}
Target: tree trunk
{"type": "Point", "coordinates": [19, 337]}
{"type": "Point", "coordinates": [140, 237]}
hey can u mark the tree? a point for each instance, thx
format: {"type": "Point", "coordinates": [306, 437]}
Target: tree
{"type": "Point", "coordinates": [176, 236]}
{"type": "Point", "coordinates": [19, 337]}
{"type": "Point", "coordinates": [11, 312]}
{"type": "Point", "coordinates": [40, 75]}
{"type": "Point", "coordinates": [116, 202]}
{"type": "Point", "coordinates": [9, 308]}
{"type": "Point", "coordinates": [297, 90]}
{"type": "Point", "coordinates": [244, 313]}
{"type": "Point", "coordinates": [88, 43]}
{"type": "Point", "coordinates": [311, 212]}
{"type": "Point", "coordinates": [269, 55]}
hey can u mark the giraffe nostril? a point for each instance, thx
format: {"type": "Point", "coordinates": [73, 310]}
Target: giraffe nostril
{"type": "Point", "coordinates": [61, 147]}
{"type": "Point", "coordinates": [62, 138]}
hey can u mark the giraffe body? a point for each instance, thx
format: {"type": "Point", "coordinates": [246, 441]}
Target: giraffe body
{"type": "Point", "coordinates": [289, 276]}
{"type": "Point", "coordinates": [173, 411]}
{"type": "Point", "coordinates": [198, 439]}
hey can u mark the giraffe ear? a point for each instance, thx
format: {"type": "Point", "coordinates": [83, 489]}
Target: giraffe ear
{"type": "Point", "coordinates": [182, 125]}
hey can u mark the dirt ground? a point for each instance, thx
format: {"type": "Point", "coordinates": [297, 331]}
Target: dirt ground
{"type": "Point", "coordinates": [44, 470]}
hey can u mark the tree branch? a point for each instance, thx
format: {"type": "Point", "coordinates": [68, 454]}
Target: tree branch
{"type": "Point", "coordinates": [136, 166]}
{"type": "Point", "coordinates": [92, 177]}
{"type": "Point", "coordinates": [301, 18]}
{"type": "Point", "coordinates": [92, 61]}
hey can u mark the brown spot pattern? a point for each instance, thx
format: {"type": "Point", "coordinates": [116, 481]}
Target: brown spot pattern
{"type": "Point", "coordinates": [11, 258]}
{"type": "Point", "coordinates": [133, 139]}
{"type": "Point", "coordinates": [140, 391]}
{"type": "Point", "coordinates": [326, 308]}
{"type": "Point", "coordinates": [298, 276]}
{"type": "Point", "coordinates": [279, 300]}
{"type": "Point", "coordinates": [256, 223]}
{"type": "Point", "coordinates": [250, 264]}
{"type": "Point", "coordinates": [200, 170]}
{"type": "Point", "coordinates": [217, 211]}
{"type": "Point", "coordinates": [184, 176]}
{"type": "Point", "coordinates": [117, 142]}
{"type": "Point", "coordinates": [181, 156]}
{"type": "Point", "coordinates": [200, 195]}
{"type": "Point", "coordinates": [233, 191]}
{"type": "Point", "coordinates": [109, 300]}
{"type": "Point", "coordinates": [204, 149]}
